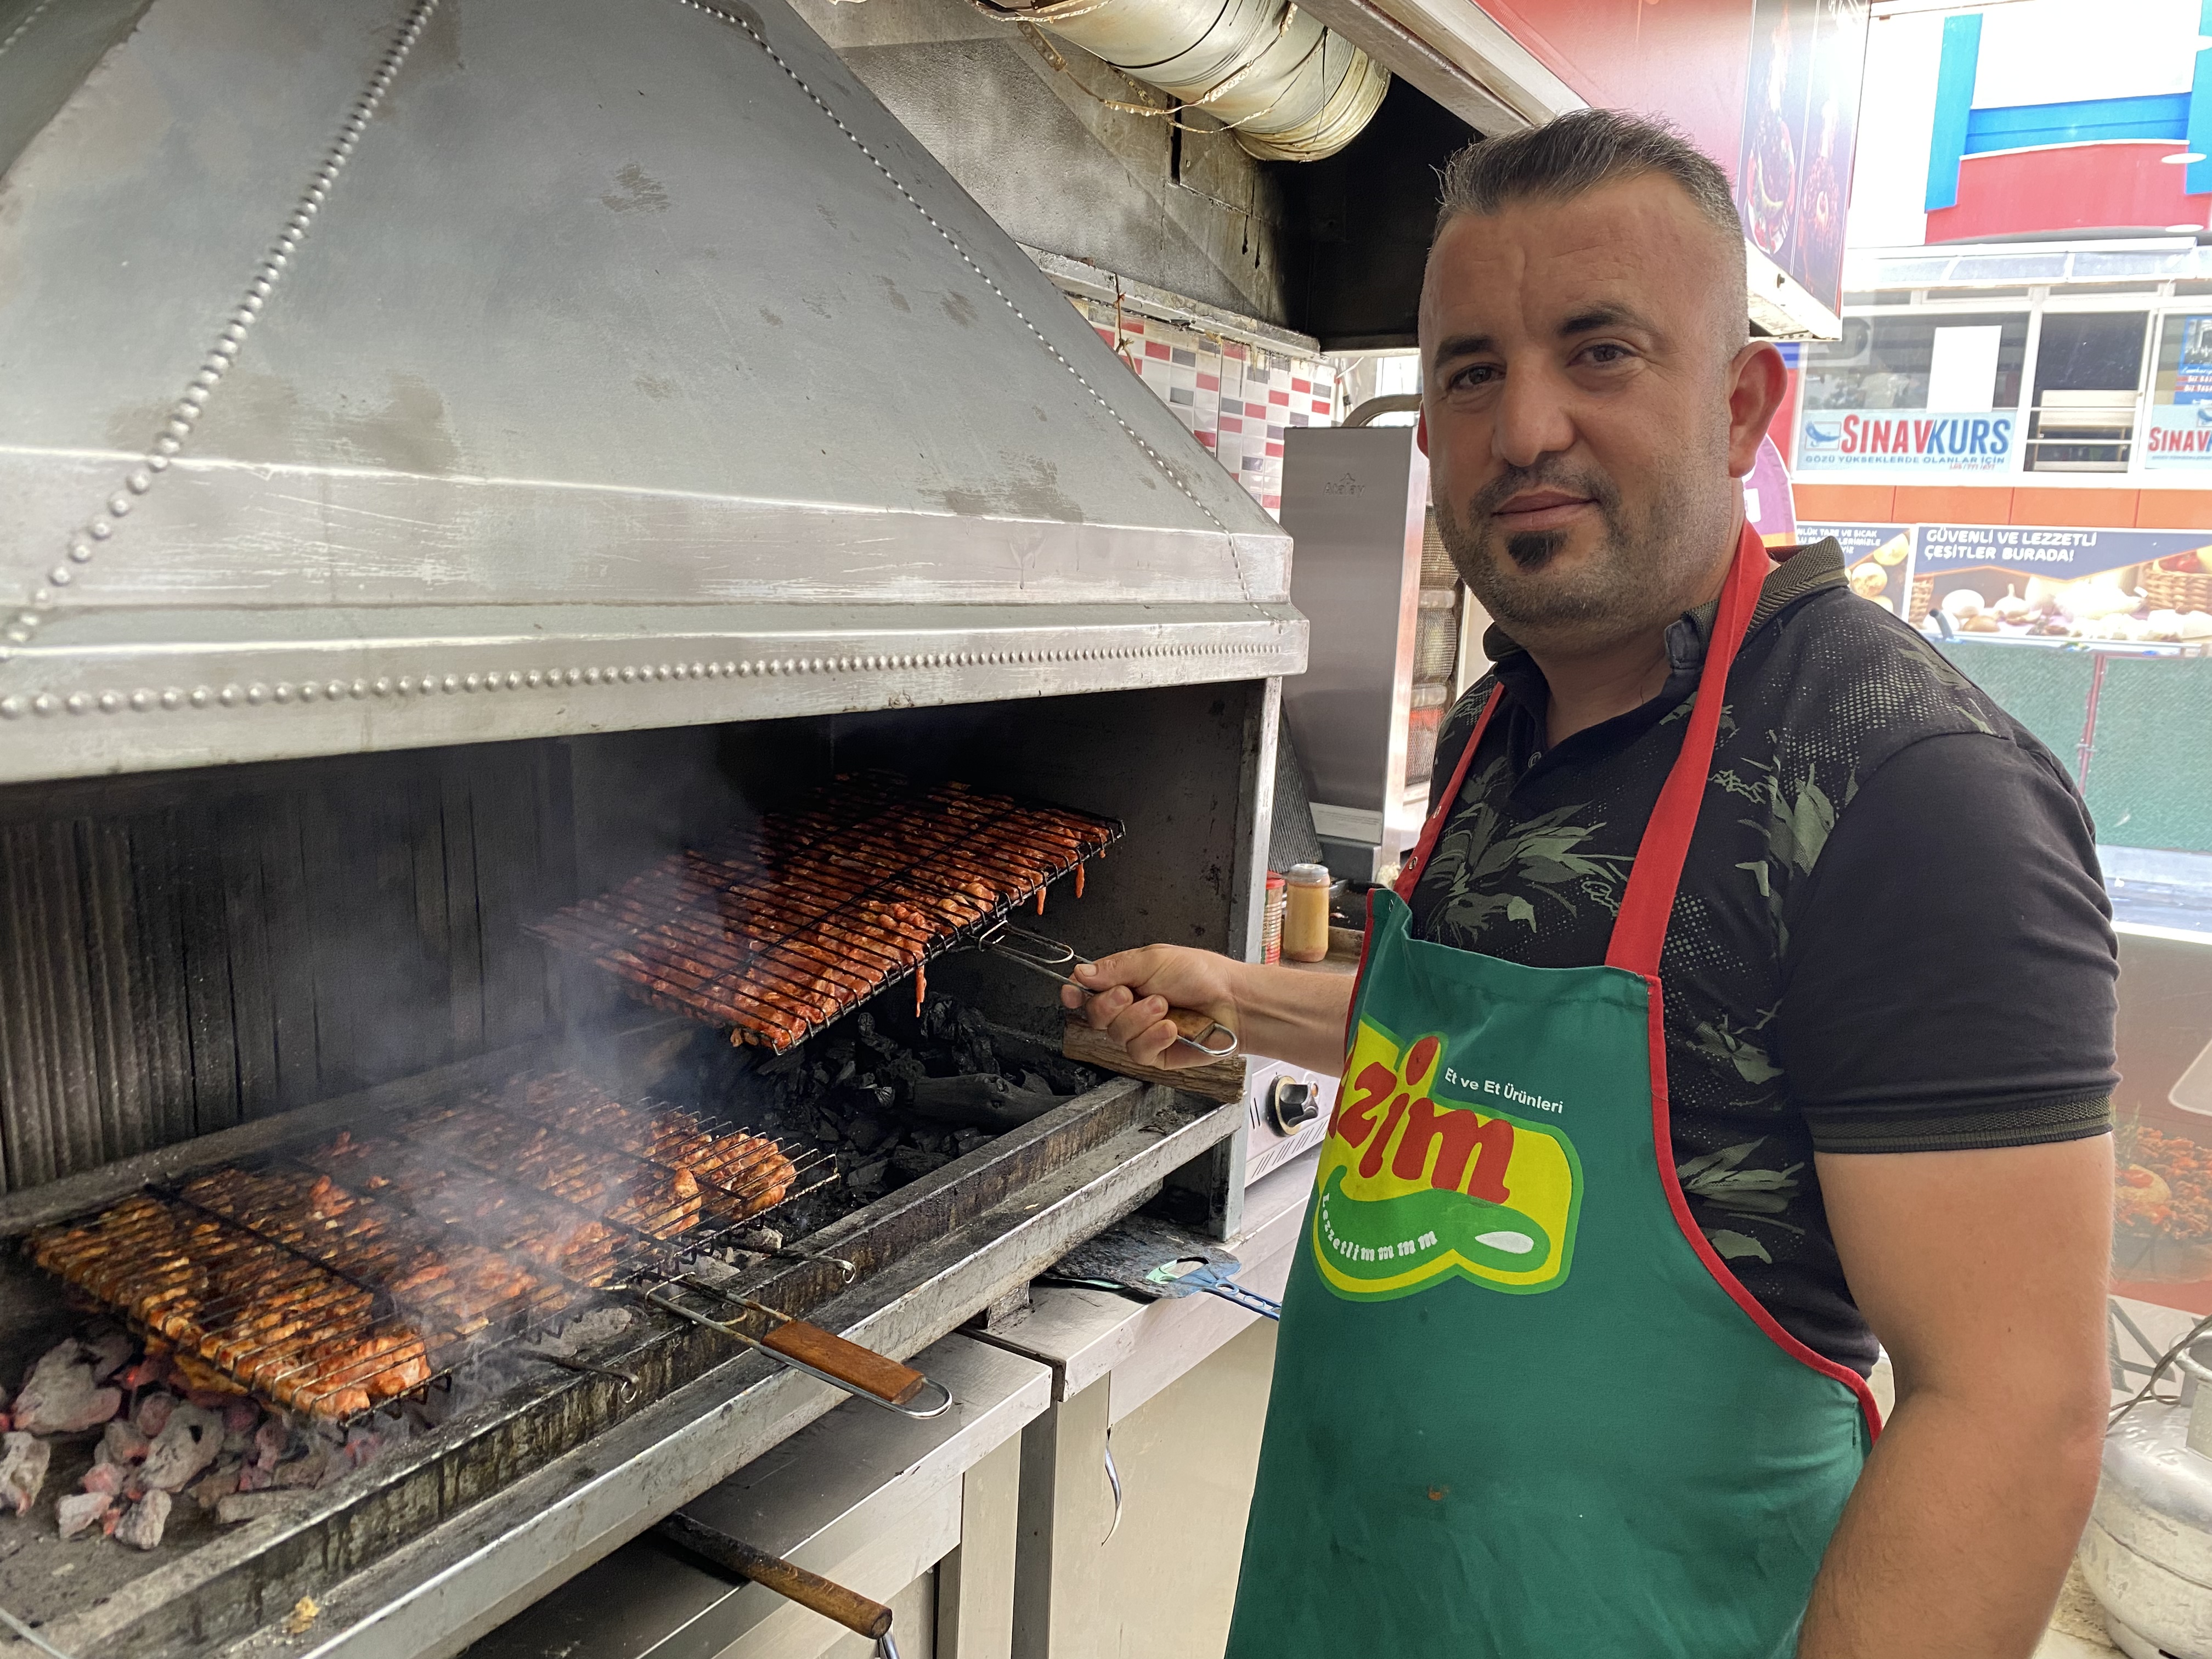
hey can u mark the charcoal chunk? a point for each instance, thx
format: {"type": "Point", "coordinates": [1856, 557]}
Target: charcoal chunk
{"type": "Point", "coordinates": [142, 1528]}
{"type": "Point", "coordinates": [23, 1469]}
{"type": "Point", "coordinates": [59, 1397]}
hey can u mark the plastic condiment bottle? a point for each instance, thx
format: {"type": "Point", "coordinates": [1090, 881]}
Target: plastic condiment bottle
{"type": "Point", "coordinates": [1305, 924]}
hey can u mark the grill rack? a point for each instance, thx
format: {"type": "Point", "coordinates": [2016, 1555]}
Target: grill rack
{"type": "Point", "coordinates": [682, 934]}
{"type": "Point", "coordinates": [346, 1306]}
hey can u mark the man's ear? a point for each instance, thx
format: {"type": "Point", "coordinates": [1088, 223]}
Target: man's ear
{"type": "Point", "coordinates": [1757, 382]}
{"type": "Point", "coordinates": [1421, 432]}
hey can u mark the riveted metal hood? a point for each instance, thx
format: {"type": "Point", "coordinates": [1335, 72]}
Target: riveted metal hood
{"type": "Point", "coordinates": [389, 373]}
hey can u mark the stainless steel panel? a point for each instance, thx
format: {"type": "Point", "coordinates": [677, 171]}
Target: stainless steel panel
{"type": "Point", "coordinates": [298, 398]}
{"type": "Point", "coordinates": [124, 691]}
{"type": "Point", "coordinates": [1355, 499]}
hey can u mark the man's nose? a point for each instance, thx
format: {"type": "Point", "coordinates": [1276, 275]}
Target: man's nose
{"type": "Point", "coordinates": [1533, 418]}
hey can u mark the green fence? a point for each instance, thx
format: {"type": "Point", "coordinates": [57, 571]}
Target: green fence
{"type": "Point", "coordinates": [2150, 759]}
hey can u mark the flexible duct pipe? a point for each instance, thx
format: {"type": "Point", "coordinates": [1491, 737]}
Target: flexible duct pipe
{"type": "Point", "coordinates": [1290, 89]}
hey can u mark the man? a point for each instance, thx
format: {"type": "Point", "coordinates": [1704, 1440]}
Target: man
{"type": "Point", "coordinates": [1753, 1000]}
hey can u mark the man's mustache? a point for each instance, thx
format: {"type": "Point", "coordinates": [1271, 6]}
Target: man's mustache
{"type": "Point", "coordinates": [1511, 482]}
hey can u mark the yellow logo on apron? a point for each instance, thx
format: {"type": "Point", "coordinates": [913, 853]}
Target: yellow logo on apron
{"type": "Point", "coordinates": [1421, 1177]}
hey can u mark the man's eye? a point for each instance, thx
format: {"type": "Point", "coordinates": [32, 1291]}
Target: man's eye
{"type": "Point", "coordinates": [1604, 352]}
{"type": "Point", "coordinates": [1475, 375]}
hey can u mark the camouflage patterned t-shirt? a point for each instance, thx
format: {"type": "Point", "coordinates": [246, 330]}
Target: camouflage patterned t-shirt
{"type": "Point", "coordinates": [1891, 934]}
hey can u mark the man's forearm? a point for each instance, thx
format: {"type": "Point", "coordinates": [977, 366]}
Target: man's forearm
{"type": "Point", "coordinates": [1954, 1544]}
{"type": "Point", "coordinates": [1291, 1015]}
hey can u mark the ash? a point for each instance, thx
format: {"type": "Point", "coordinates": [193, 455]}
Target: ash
{"type": "Point", "coordinates": [894, 1095]}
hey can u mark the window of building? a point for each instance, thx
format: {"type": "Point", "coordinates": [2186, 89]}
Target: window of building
{"type": "Point", "coordinates": [1886, 363]}
{"type": "Point", "coordinates": [2088, 375]}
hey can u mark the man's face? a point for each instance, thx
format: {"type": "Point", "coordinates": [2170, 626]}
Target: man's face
{"type": "Point", "coordinates": [1587, 410]}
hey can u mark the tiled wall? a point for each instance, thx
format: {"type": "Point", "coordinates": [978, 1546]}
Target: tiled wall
{"type": "Point", "coordinates": [1235, 399]}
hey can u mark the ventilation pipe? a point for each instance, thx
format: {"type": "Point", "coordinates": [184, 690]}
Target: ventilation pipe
{"type": "Point", "coordinates": [1290, 89]}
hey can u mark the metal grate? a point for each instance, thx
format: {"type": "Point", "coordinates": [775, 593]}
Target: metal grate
{"type": "Point", "coordinates": [340, 1277]}
{"type": "Point", "coordinates": [814, 911]}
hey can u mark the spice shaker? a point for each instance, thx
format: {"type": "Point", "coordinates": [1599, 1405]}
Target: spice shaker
{"type": "Point", "coordinates": [1306, 919]}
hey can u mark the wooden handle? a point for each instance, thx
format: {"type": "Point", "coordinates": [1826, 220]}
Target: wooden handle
{"type": "Point", "coordinates": [1221, 1080]}
{"type": "Point", "coordinates": [810, 1589]}
{"type": "Point", "coordinates": [849, 1362]}
{"type": "Point", "coordinates": [1193, 1025]}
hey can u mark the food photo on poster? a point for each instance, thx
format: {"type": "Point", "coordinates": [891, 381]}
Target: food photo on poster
{"type": "Point", "coordinates": [1801, 115]}
{"type": "Point", "coordinates": [2147, 588]}
{"type": "Point", "coordinates": [2162, 1188]}
{"type": "Point", "coordinates": [1877, 558]}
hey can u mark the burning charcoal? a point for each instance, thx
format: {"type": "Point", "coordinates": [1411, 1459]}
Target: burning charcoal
{"type": "Point", "coordinates": [187, 1444]}
{"type": "Point", "coordinates": [304, 1471]}
{"type": "Point", "coordinates": [82, 1509]}
{"type": "Point", "coordinates": [153, 1413]}
{"type": "Point", "coordinates": [980, 1101]}
{"type": "Point", "coordinates": [240, 1416]}
{"type": "Point", "coordinates": [217, 1483]}
{"type": "Point", "coordinates": [256, 1477]}
{"type": "Point", "coordinates": [112, 1478]}
{"type": "Point", "coordinates": [143, 1374]}
{"type": "Point", "coordinates": [762, 1240]}
{"type": "Point", "coordinates": [59, 1398]}
{"type": "Point", "coordinates": [270, 1441]}
{"type": "Point", "coordinates": [870, 1179]}
{"type": "Point", "coordinates": [23, 1470]}
{"type": "Point", "coordinates": [109, 1350]}
{"type": "Point", "coordinates": [142, 1528]}
{"type": "Point", "coordinates": [121, 1443]}
{"type": "Point", "coordinates": [868, 1132]}
{"type": "Point", "coordinates": [360, 1448]}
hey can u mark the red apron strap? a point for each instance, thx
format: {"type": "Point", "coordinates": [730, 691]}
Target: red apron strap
{"type": "Point", "coordinates": [1641, 928]}
{"type": "Point", "coordinates": [1409, 877]}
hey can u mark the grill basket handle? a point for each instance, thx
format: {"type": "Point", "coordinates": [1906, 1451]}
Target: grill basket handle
{"type": "Point", "coordinates": [787, 1578]}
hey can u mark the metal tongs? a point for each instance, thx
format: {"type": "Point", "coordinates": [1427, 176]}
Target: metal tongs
{"type": "Point", "coordinates": [1048, 957]}
{"type": "Point", "coordinates": [861, 1372]}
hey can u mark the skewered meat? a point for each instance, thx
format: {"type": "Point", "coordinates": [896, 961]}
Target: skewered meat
{"type": "Point", "coordinates": [142, 1528]}
{"type": "Point", "coordinates": [59, 1397]}
{"type": "Point", "coordinates": [23, 1469]}
{"type": "Point", "coordinates": [741, 1174]}
{"type": "Point", "coordinates": [816, 909]}
{"type": "Point", "coordinates": [238, 1302]}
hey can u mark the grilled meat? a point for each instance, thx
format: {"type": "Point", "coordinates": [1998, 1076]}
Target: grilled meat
{"type": "Point", "coordinates": [819, 909]}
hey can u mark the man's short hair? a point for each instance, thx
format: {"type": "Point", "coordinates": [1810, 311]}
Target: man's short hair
{"type": "Point", "coordinates": [1578, 152]}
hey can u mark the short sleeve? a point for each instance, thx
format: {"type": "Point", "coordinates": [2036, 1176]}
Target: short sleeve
{"type": "Point", "coordinates": [1950, 969]}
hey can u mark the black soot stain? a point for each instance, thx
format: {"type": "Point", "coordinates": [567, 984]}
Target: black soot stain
{"type": "Point", "coordinates": [957, 307]}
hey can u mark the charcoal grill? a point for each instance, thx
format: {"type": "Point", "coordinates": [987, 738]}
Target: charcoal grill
{"type": "Point", "coordinates": [306, 715]}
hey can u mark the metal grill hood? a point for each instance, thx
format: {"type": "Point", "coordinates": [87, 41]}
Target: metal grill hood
{"type": "Point", "coordinates": [377, 373]}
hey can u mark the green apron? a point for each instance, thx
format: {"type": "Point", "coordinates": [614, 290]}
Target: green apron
{"type": "Point", "coordinates": [1521, 1410]}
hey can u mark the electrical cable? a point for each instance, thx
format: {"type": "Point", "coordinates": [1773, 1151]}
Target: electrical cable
{"type": "Point", "coordinates": [2159, 1371]}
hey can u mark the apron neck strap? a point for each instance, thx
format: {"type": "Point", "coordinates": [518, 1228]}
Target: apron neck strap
{"type": "Point", "coordinates": [1409, 877]}
{"type": "Point", "coordinates": [1641, 928]}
